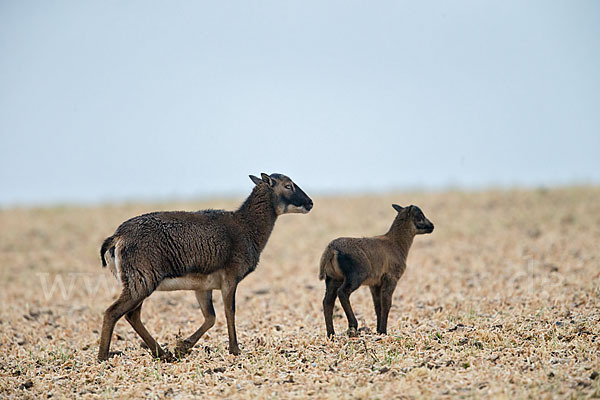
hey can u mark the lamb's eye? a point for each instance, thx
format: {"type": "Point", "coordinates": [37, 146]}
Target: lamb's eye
{"type": "Point", "coordinates": [288, 186]}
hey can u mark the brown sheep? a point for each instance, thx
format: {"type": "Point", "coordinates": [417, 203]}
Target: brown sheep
{"type": "Point", "coordinates": [377, 262]}
{"type": "Point", "coordinates": [200, 251]}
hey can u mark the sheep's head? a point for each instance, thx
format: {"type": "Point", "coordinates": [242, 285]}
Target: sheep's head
{"type": "Point", "coordinates": [288, 197]}
{"type": "Point", "coordinates": [415, 216]}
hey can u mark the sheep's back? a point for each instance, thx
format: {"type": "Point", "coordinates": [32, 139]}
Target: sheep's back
{"type": "Point", "coordinates": [174, 244]}
{"type": "Point", "coordinates": [370, 252]}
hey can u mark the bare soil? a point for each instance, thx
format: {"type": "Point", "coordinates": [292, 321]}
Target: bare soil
{"type": "Point", "coordinates": [502, 301]}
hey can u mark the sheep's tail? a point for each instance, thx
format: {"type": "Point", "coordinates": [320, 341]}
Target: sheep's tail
{"type": "Point", "coordinates": [329, 257]}
{"type": "Point", "coordinates": [109, 243]}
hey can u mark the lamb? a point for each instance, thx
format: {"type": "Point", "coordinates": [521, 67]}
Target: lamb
{"type": "Point", "coordinates": [200, 251]}
{"type": "Point", "coordinates": [377, 262]}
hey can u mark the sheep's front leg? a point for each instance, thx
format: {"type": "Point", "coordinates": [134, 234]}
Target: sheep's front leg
{"type": "Point", "coordinates": [387, 291]}
{"type": "Point", "coordinates": [228, 292]}
{"type": "Point", "coordinates": [376, 294]}
{"type": "Point", "coordinates": [204, 298]}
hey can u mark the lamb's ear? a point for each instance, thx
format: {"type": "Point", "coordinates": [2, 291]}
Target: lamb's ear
{"type": "Point", "coordinates": [267, 179]}
{"type": "Point", "coordinates": [397, 207]}
{"type": "Point", "coordinates": [255, 179]}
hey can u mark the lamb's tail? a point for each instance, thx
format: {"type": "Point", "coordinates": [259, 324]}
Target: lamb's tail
{"type": "Point", "coordinates": [328, 258]}
{"type": "Point", "coordinates": [109, 244]}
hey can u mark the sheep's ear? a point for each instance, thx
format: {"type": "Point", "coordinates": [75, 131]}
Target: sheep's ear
{"type": "Point", "coordinates": [397, 207]}
{"type": "Point", "coordinates": [267, 179]}
{"type": "Point", "coordinates": [255, 179]}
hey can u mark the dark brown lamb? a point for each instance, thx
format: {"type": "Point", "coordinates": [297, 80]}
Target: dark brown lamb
{"type": "Point", "coordinates": [377, 262]}
{"type": "Point", "coordinates": [200, 251]}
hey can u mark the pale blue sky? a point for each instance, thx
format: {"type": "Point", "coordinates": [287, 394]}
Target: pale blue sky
{"type": "Point", "coordinates": [124, 100]}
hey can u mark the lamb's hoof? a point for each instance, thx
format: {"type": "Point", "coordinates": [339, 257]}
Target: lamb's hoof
{"type": "Point", "coordinates": [352, 332]}
{"type": "Point", "coordinates": [182, 348]}
{"type": "Point", "coordinates": [234, 350]}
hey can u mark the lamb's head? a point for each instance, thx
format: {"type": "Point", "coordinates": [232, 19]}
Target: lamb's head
{"type": "Point", "coordinates": [287, 196]}
{"type": "Point", "coordinates": [415, 218]}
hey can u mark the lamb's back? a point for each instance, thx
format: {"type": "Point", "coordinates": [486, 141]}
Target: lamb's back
{"type": "Point", "coordinates": [369, 251]}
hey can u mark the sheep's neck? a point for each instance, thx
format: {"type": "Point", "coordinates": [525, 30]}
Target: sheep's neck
{"type": "Point", "coordinates": [402, 236]}
{"type": "Point", "coordinates": [258, 215]}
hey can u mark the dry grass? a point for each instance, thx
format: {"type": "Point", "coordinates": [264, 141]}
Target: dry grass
{"type": "Point", "coordinates": [501, 300]}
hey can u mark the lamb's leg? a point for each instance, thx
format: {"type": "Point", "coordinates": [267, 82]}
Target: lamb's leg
{"type": "Point", "coordinates": [123, 305]}
{"type": "Point", "coordinates": [351, 283]}
{"type": "Point", "coordinates": [329, 302]}
{"type": "Point", "coordinates": [228, 292]}
{"type": "Point", "coordinates": [204, 298]}
{"type": "Point", "coordinates": [387, 291]}
{"type": "Point", "coordinates": [133, 317]}
{"type": "Point", "coordinates": [376, 294]}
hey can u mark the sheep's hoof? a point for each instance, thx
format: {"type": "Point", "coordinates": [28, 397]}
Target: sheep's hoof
{"type": "Point", "coordinates": [110, 354]}
{"type": "Point", "coordinates": [163, 355]}
{"type": "Point", "coordinates": [352, 332]}
{"type": "Point", "coordinates": [182, 348]}
{"type": "Point", "coordinates": [167, 356]}
{"type": "Point", "coordinates": [234, 350]}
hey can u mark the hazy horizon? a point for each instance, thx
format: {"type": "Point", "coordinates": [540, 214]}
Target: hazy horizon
{"type": "Point", "coordinates": [245, 190]}
{"type": "Point", "coordinates": [124, 101]}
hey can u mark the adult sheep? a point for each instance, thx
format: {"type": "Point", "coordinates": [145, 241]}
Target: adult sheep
{"type": "Point", "coordinates": [200, 251]}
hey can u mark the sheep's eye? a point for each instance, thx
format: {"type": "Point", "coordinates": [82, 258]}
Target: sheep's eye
{"type": "Point", "coordinates": [288, 186]}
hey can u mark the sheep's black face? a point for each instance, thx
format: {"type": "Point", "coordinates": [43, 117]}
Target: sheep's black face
{"type": "Point", "coordinates": [422, 224]}
{"type": "Point", "coordinates": [289, 198]}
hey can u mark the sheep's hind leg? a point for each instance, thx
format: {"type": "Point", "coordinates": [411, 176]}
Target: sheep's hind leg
{"type": "Point", "coordinates": [355, 275]}
{"type": "Point", "coordinates": [351, 283]}
{"type": "Point", "coordinates": [204, 298]}
{"type": "Point", "coordinates": [124, 304]}
{"type": "Point", "coordinates": [344, 293]}
{"type": "Point", "coordinates": [134, 318]}
{"type": "Point", "coordinates": [329, 302]}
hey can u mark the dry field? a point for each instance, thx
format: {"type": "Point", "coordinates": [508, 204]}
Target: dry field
{"type": "Point", "coordinates": [501, 301]}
